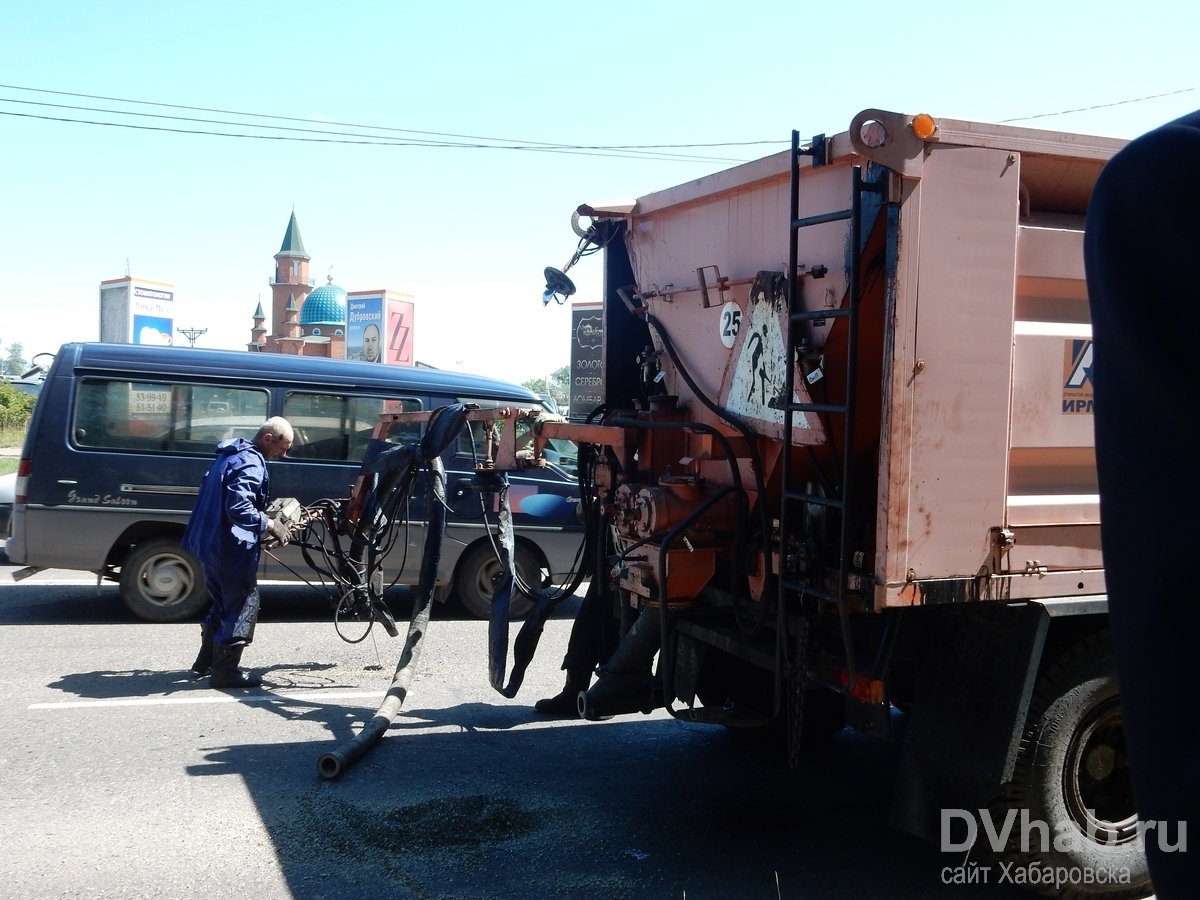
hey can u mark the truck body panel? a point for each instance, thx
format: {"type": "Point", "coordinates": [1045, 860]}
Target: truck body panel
{"type": "Point", "coordinates": [979, 433]}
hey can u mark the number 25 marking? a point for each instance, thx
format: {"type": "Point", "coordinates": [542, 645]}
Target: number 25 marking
{"type": "Point", "coordinates": [731, 321]}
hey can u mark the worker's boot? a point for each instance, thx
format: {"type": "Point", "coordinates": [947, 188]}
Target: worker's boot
{"type": "Point", "coordinates": [225, 671]}
{"type": "Point", "coordinates": [565, 703]}
{"type": "Point", "coordinates": [204, 659]}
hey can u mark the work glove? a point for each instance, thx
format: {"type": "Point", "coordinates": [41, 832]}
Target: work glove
{"type": "Point", "coordinates": [278, 533]}
{"type": "Point", "coordinates": [285, 517]}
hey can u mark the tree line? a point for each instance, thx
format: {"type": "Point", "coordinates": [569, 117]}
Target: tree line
{"type": "Point", "coordinates": [556, 384]}
{"type": "Point", "coordinates": [15, 407]}
{"type": "Point", "coordinates": [15, 364]}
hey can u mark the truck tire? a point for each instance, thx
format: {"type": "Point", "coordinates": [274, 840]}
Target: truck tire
{"type": "Point", "coordinates": [162, 582]}
{"type": "Point", "coordinates": [1072, 768]}
{"type": "Point", "coordinates": [478, 571]}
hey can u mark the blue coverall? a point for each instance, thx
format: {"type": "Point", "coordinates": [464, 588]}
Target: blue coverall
{"type": "Point", "coordinates": [223, 534]}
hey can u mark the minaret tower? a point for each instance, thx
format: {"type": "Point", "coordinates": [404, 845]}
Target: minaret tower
{"type": "Point", "coordinates": [291, 278]}
{"type": "Point", "coordinates": [258, 334]}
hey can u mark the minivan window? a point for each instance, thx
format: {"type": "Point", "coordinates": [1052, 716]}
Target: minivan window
{"type": "Point", "coordinates": [337, 427]}
{"type": "Point", "coordinates": [114, 414]}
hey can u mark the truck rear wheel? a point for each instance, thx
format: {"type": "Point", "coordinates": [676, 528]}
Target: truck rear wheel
{"type": "Point", "coordinates": [479, 570]}
{"type": "Point", "coordinates": [162, 582]}
{"type": "Point", "coordinates": [1072, 773]}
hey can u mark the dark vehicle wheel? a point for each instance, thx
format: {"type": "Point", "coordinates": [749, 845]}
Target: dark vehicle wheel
{"type": "Point", "coordinates": [162, 582]}
{"type": "Point", "coordinates": [479, 570]}
{"type": "Point", "coordinates": [1072, 772]}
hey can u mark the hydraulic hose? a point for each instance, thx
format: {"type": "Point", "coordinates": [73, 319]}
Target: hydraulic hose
{"type": "Point", "coordinates": [336, 761]}
{"type": "Point", "coordinates": [333, 763]}
{"type": "Point", "coordinates": [526, 643]}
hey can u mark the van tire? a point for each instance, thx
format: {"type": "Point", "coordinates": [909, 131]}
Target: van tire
{"type": "Point", "coordinates": [478, 571]}
{"type": "Point", "coordinates": [1072, 758]}
{"type": "Point", "coordinates": [162, 582]}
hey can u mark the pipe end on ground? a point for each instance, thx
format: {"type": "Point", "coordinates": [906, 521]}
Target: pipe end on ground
{"type": "Point", "coordinates": [330, 765]}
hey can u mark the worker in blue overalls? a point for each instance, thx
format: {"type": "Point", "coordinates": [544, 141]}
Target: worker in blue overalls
{"type": "Point", "coordinates": [227, 526]}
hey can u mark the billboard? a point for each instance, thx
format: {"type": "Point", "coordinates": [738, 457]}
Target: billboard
{"type": "Point", "coordinates": [587, 359]}
{"type": "Point", "coordinates": [399, 332]}
{"type": "Point", "coordinates": [379, 327]}
{"type": "Point", "coordinates": [364, 328]}
{"type": "Point", "coordinates": [154, 330]}
{"type": "Point", "coordinates": [137, 312]}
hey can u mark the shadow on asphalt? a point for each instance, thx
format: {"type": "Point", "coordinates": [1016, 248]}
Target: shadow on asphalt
{"type": "Point", "coordinates": [107, 684]}
{"type": "Point", "coordinates": [631, 808]}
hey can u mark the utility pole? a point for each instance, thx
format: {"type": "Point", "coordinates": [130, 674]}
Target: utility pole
{"type": "Point", "coordinates": [191, 334]}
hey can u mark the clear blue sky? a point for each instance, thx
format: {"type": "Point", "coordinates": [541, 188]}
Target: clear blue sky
{"type": "Point", "coordinates": [468, 231]}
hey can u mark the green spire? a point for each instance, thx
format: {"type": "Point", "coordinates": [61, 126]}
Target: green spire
{"type": "Point", "coordinates": [292, 243]}
{"type": "Point", "coordinates": [258, 312]}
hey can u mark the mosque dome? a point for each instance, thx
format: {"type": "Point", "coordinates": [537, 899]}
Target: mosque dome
{"type": "Point", "coordinates": [325, 306]}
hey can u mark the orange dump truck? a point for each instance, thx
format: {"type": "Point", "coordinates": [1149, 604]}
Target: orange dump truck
{"type": "Point", "coordinates": [845, 460]}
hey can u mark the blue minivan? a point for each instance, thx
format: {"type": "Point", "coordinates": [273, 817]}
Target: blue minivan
{"type": "Point", "coordinates": [122, 435]}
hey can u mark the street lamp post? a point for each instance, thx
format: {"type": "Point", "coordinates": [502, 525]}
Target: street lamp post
{"type": "Point", "coordinates": [191, 334]}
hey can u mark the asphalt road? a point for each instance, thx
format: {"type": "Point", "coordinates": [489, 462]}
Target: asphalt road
{"type": "Point", "coordinates": [119, 777]}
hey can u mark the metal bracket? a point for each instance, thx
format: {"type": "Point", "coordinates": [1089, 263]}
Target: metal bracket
{"type": "Point", "coordinates": [720, 284]}
{"type": "Point", "coordinates": [628, 295]}
{"type": "Point", "coordinates": [818, 149]}
{"type": "Point", "coordinates": [887, 138]}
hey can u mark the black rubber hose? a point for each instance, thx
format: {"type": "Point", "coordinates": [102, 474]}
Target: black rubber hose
{"type": "Point", "coordinates": [390, 469]}
{"type": "Point", "coordinates": [526, 643]}
{"type": "Point", "coordinates": [525, 646]}
{"type": "Point", "coordinates": [336, 761]}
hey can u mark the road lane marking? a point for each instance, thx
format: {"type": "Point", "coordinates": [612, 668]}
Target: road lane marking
{"type": "Point", "coordinates": [207, 698]}
{"type": "Point", "coordinates": [409, 723]}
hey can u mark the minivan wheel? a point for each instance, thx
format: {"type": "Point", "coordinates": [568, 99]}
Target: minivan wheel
{"type": "Point", "coordinates": [479, 570]}
{"type": "Point", "coordinates": [162, 582]}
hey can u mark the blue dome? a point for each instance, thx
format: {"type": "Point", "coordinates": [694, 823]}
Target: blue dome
{"type": "Point", "coordinates": [325, 306]}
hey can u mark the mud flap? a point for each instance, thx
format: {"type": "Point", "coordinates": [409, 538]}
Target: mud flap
{"type": "Point", "coordinates": [980, 662]}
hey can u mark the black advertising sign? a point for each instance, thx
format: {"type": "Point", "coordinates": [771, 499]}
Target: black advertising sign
{"type": "Point", "coordinates": [587, 359]}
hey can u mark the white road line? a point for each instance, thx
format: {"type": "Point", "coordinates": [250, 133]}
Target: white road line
{"type": "Point", "coordinates": [410, 724]}
{"type": "Point", "coordinates": [208, 698]}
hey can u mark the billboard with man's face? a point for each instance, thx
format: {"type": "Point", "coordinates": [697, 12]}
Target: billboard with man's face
{"type": "Point", "coordinates": [364, 328]}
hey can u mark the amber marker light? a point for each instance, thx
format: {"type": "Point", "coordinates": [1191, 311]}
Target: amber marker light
{"type": "Point", "coordinates": [923, 126]}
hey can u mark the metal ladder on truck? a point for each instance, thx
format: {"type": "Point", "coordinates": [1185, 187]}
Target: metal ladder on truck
{"type": "Point", "coordinates": [796, 501]}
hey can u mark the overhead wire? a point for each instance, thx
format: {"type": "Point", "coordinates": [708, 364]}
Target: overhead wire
{"type": "Point", "coordinates": [383, 135]}
{"type": "Point", "coordinates": [1065, 112]}
{"type": "Point", "coordinates": [474, 137]}
{"type": "Point", "coordinates": [662, 157]}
